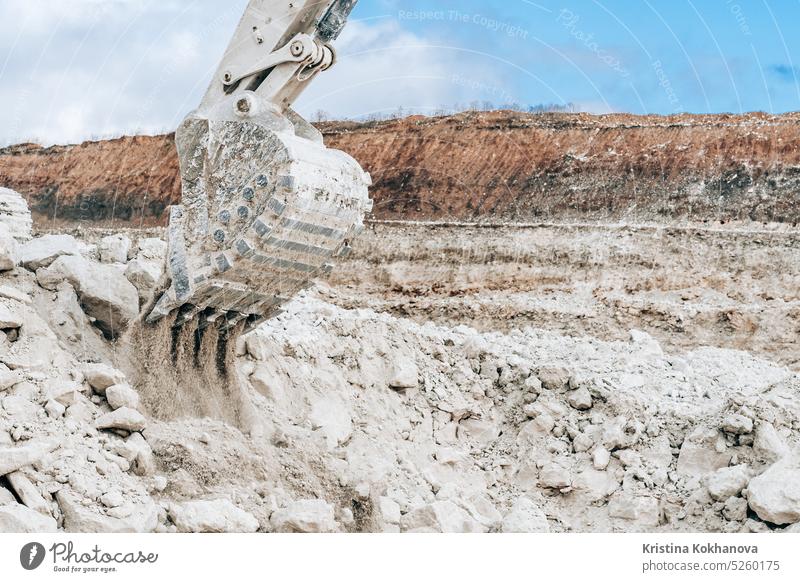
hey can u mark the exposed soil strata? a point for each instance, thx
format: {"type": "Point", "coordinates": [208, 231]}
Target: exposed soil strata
{"type": "Point", "coordinates": [499, 166]}
{"type": "Point", "coordinates": [735, 287]}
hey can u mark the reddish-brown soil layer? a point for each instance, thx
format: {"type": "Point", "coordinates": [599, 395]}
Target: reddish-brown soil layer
{"type": "Point", "coordinates": [498, 166]}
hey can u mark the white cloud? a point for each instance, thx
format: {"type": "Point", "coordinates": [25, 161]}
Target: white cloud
{"type": "Point", "coordinates": [42, 16]}
{"type": "Point", "coordinates": [76, 69]}
{"type": "Point", "coordinates": [594, 107]}
{"type": "Point", "coordinates": [383, 66]}
{"type": "Point", "coordinates": [184, 46]}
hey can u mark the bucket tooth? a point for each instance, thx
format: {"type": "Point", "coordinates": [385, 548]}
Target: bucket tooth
{"type": "Point", "coordinates": [231, 320]}
{"type": "Point", "coordinates": [209, 318]}
{"type": "Point", "coordinates": [185, 314]}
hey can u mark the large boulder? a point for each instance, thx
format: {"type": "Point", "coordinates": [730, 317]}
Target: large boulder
{"type": "Point", "coordinates": [775, 494]}
{"type": "Point", "coordinates": [13, 458]}
{"type": "Point", "coordinates": [700, 453]}
{"type": "Point", "coordinates": [404, 375]}
{"type": "Point", "coordinates": [144, 274]}
{"type": "Point", "coordinates": [28, 493]}
{"type": "Point", "coordinates": [215, 516]}
{"type": "Point", "coordinates": [140, 454]}
{"type": "Point", "coordinates": [102, 376]}
{"type": "Point", "coordinates": [16, 518]}
{"type": "Point", "coordinates": [9, 251]}
{"type": "Point", "coordinates": [123, 419]}
{"type": "Point", "coordinates": [152, 248]}
{"type": "Point", "coordinates": [525, 517]}
{"type": "Point", "coordinates": [8, 378]}
{"type": "Point", "coordinates": [104, 292]}
{"type": "Point", "coordinates": [10, 318]}
{"type": "Point", "coordinates": [79, 518]}
{"type": "Point", "coordinates": [642, 510]}
{"type": "Point", "coordinates": [441, 516]}
{"type": "Point", "coordinates": [15, 217]}
{"type": "Point", "coordinates": [6, 497]}
{"type": "Point", "coordinates": [41, 252]}
{"type": "Point", "coordinates": [768, 444]}
{"type": "Point", "coordinates": [306, 516]}
{"type": "Point", "coordinates": [122, 396]}
{"type": "Point", "coordinates": [114, 248]}
{"type": "Point", "coordinates": [728, 481]}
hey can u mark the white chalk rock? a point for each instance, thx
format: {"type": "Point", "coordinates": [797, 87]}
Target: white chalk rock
{"type": "Point", "coordinates": [15, 217]}
{"type": "Point", "coordinates": [104, 292]}
{"type": "Point", "coordinates": [554, 476]}
{"type": "Point", "coordinates": [100, 376]}
{"type": "Point", "coordinates": [78, 518]}
{"type": "Point", "coordinates": [728, 481]}
{"type": "Point", "coordinates": [580, 399]}
{"type": "Point", "coordinates": [735, 509]}
{"type": "Point", "coordinates": [14, 458]}
{"type": "Point", "coordinates": [646, 344]}
{"type": "Point", "coordinates": [768, 444]}
{"type": "Point", "coordinates": [331, 416]}
{"type": "Point", "coordinates": [263, 379]}
{"type": "Point", "coordinates": [8, 292]}
{"type": "Point", "coordinates": [9, 251]}
{"type": "Point", "coordinates": [775, 494]}
{"type": "Point", "coordinates": [642, 509]}
{"type": "Point", "coordinates": [553, 377]}
{"type": "Point", "coordinates": [16, 518]}
{"type": "Point", "coordinates": [20, 408]}
{"type": "Point", "coordinates": [214, 516]}
{"type": "Point", "coordinates": [152, 248]}
{"type": "Point", "coordinates": [525, 517]}
{"type": "Point", "coordinates": [112, 498]}
{"type": "Point", "coordinates": [10, 318]}
{"type": "Point", "coordinates": [122, 418]}
{"type": "Point", "coordinates": [305, 516]}
{"type": "Point", "coordinates": [481, 507]}
{"type": "Point", "coordinates": [737, 424]}
{"type": "Point", "coordinates": [142, 462]}
{"type": "Point", "coordinates": [601, 457]}
{"type": "Point", "coordinates": [28, 493]}
{"type": "Point", "coordinates": [43, 251]}
{"type": "Point", "coordinates": [700, 454]}
{"type": "Point", "coordinates": [404, 375]}
{"type": "Point", "coordinates": [441, 516]}
{"type": "Point", "coordinates": [122, 396]}
{"type": "Point", "coordinates": [6, 497]}
{"type": "Point", "coordinates": [144, 274]}
{"type": "Point", "coordinates": [8, 378]}
{"type": "Point", "coordinates": [55, 409]}
{"type": "Point", "coordinates": [64, 392]}
{"type": "Point", "coordinates": [114, 248]}
{"type": "Point", "coordinates": [389, 510]}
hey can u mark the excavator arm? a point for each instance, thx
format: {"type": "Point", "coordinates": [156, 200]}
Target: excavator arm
{"type": "Point", "coordinates": [265, 206]}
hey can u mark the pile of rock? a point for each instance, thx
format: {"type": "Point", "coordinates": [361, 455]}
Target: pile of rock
{"type": "Point", "coordinates": [454, 430]}
{"type": "Point", "coordinates": [373, 423]}
{"type": "Point", "coordinates": [74, 454]}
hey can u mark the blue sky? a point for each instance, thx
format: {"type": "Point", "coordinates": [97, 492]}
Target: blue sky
{"type": "Point", "coordinates": [641, 56]}
{"type": "Point", "coordinates": [75, 69]}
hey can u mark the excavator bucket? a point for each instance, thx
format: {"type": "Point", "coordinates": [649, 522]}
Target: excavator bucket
{"type": "Point", "coordinates": [265, 206]}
